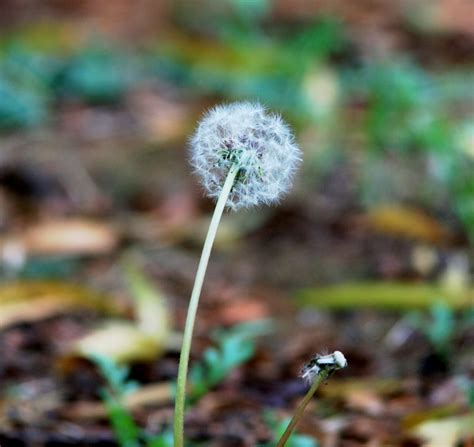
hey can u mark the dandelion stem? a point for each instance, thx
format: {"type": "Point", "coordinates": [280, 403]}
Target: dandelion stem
{"type": "Point", "coordinates": [193, 305]}
{"type": "Point", "coordinates": [320, 378]}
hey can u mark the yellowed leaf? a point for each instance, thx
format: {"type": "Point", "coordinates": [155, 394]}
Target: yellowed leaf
{"type": "Point", "coordinates": [401, 221]}
{"type": "Point", "coordinates": [35, 300]}
{"type": "Point", "coordinates": [414, 419]}
{"type": "Point", "coordinates": [151, 309]}
{"type": "Point", "coordinates": [128, 341]}
{"type": "Point", "coordinates": [120, 341]}
{"type": "Point", "coordinates": [445, 432]}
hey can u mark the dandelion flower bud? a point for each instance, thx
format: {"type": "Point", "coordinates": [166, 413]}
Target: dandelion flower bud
{"type": "Point", "coordinates": [260, 143]}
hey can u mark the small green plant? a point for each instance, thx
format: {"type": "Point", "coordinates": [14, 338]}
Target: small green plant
{"type": "Point", "coordinates": [439, 328]}
{"type": "Point", "coordinates": [233, 348]}
{"type": "Point", "coordinates": [401, 105]}
{"type": "Point", "coordinates": [459, 168]}
{"type": "Point", "coordinates": [118, 386]}
{"type": "Point", "coordinates": [96, 75]}
{"type": "Point", "coordinates": [24, 94]}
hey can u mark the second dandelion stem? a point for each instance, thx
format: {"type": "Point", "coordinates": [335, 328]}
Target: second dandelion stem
{"type": "Point", "coordinates": [323, 375]}
{"type": "Point", "coordinates": [193, 305]}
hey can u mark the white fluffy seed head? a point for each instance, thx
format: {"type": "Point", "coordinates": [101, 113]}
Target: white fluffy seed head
{"type": "Point", "coordinates": [259, 142]}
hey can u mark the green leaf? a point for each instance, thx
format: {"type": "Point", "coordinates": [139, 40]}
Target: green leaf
{"type": "Point", "coordinates": [234, 347]}
{"type": "Point", "coordinates": [439, 328]}
{"type": "Point", "coordinates": [125, 429]}
{"type": "Point", "coordinates": [118, 386]}
{"type": "Point", "coordinates": [97, 75]}
{"type": "Point", "coordinates": [163, 440]}
{"type": "Point", "coordinates": [442, 326]}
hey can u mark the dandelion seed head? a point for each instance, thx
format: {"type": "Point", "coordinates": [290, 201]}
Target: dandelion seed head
{"type": "Point", "coordinates": [259, 142]}
{"type": "Point", "coordinates": [319, 363]}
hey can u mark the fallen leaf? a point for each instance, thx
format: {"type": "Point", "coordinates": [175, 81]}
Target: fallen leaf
{"type": "Point", "coordinates": [144, 339]}
{"type": "Point", "coordinates": [414, 419]}
{"type": "Point", "coordinates": [120, 341]}
{"type": "Point", "coordinates": [145, 396]}
{"type": "Point", "coordinates": [30, 301]}
{"type": "Point", "coordinates": [70, 237]}
{"type": "Point", "coordinates": [401, 221]}
{"type": "Point", "coordinates": [447, 432]}
{"type": "Point", "coordinates": [151, 309]}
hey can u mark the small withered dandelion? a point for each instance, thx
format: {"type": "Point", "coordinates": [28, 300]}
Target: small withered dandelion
{"type": "Point", "coordinates": [259, 142]}
{"type": "Point", "coordinates": [315, 372]}
{"type": "Point", "coordinates": [319, 363]}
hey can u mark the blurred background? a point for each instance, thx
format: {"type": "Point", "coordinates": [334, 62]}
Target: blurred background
{"type": "Point", "coordinates": [102, 222]}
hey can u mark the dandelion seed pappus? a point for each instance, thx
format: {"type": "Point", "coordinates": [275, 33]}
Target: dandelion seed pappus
{"type": "Point", "coordinates": [318, 363]}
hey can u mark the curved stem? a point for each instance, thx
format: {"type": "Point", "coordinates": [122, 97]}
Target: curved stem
{"type": "Point", "coordinates": [193, 305]}
{"type": "Point", "coordinates": [323, 375]}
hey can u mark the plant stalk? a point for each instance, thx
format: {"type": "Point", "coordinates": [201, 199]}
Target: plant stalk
{"type": "Point", "coordinates": [193, 305]}
{"type": "Point", "coordinates": [322, 376]}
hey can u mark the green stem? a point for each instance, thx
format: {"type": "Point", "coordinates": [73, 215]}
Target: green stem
{"type": "Point", "coordinates": [193, 305]}
{"type": "Point", "coordinates": [322, 376]}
